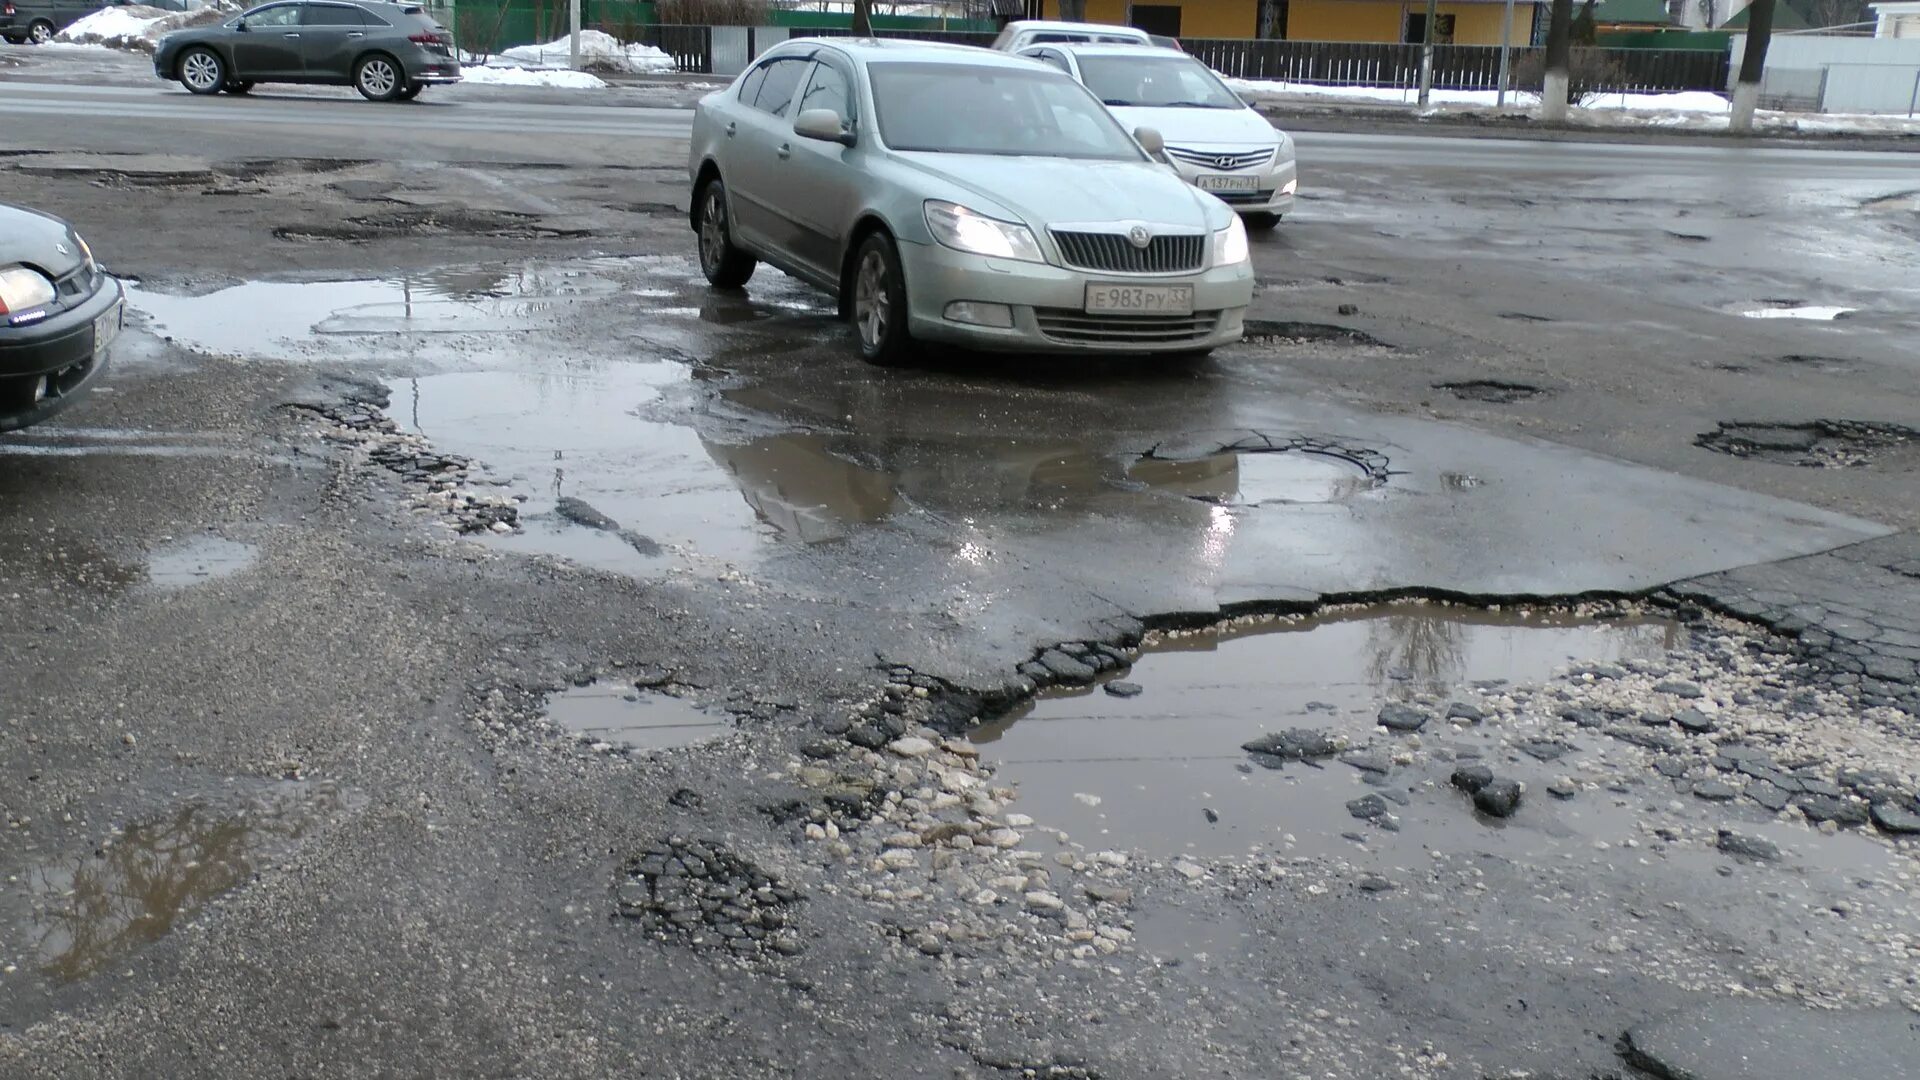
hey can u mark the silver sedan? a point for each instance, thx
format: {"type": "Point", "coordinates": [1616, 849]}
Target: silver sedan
{"type": "Point", "coordinates": [962, 196]}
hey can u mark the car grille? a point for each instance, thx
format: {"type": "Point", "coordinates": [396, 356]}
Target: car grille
{"type": "Point", "coordinates": [1243, 197]}
{"type": "Point", "coordinates": [1219, 159]}
{"type": "Point", "coordinates": [78, 284]}
{"type": "Point", "coordinates": [1072, 327]}
{"type": "Point", "coordinates": [1114, 253]}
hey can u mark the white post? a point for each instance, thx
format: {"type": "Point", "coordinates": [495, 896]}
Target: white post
{"type": "Point", "coordinates": [1506, 47]}
{"type": "Point", "coordinates": [573, 43]}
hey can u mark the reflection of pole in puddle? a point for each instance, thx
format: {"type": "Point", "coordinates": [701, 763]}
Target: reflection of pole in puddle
{"type": "Point", "coordinates": [1423, 648]}
{"type": "Point", "coordinates": [559, 473]}
{"type": "Point", "coordinates": [416, 402]}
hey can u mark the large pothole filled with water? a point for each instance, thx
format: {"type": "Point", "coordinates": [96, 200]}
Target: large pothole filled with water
{"type": "Point", "coordinates": [620, 714]}
{"type": "Point", "coordinates": [1165, 770]}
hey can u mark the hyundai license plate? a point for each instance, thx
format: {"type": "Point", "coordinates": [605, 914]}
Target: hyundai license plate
{"type": "Point", "coordinates": [1140, 299]}
{"type": "Point", "coordinates": [1210, 182]}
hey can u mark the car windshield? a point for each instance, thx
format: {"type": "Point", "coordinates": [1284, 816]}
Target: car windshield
{"type": "Point", "coordinates": [1156, 82]}
{"type": "Point", "coordinates": [951, 109]}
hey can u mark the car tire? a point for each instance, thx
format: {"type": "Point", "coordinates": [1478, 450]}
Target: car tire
{"type": "Point", "coordinates": [379, 77]}
{"type": "Point", "coordinates": [879, 306]}
{"type": "Point", "coordinates": [1260, 221]}
{"type": "Point", "coordinates": [202, 71]}
{"type": "Point", "coordinates": [412, 91]}
{"type": "Point", "coordinates": [236, 87]}
{"type": "Point", "coordinates": [726, 266]}
{"type": "Point", "coordinates": [40, 32]}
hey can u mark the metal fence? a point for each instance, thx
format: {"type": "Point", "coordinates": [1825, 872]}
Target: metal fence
{"type": "Point", "coordinates": [1327, 63]}
{"type": "Point", "coordinates": [1455, 67]}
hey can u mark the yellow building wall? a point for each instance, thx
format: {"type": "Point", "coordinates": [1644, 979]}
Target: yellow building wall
{"type": "Point", "coordinates": [1198, 18]}
{"type": "Point", "coordinates": [1384, 20]}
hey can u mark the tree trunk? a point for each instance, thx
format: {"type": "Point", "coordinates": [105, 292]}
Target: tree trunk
{"type": "Point", "coordinates": [1746, 91]}
{"type": "Point", "coordinates": [1553, 88]}
{"type": "Point", "coordinates": [862, 18]}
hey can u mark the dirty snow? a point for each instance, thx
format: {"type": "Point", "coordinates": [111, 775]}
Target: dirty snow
{"type": "Point", "coordinates": [517, 76]}
{"type": "Point", "coordinates": [136, 28]}
{"type": "Point", "coordinates": [1695, 110]}
{"type": "Point", "coordinates": [599, 51]}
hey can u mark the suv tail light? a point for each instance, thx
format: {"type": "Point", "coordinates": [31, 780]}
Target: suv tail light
{"type": "Point", "coordinates": [7, 8]}
{"type": "Point", "coordinates": [425, 39]}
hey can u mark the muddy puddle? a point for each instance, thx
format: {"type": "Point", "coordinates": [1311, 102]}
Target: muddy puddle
{"type": "Point", "coordinates": [1164, 771]}
{"type": "Point", "coordinates": [620, 714]}
{"type": "Point", "coordinates": [1256, 479]}
{"type": "Point", "coordinates": [95, 909]}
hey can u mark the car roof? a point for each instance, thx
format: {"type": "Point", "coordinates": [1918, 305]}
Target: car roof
{"type": "Point", "coordinates": [890, 49]}
{"type": "Point", "coordinates": [1074, 27]}
{"type": "Point", "coordinates": [1087, 48]}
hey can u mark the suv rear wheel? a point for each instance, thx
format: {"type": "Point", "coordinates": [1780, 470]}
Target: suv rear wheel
{"type": "Point", "coordinates": [41, 32]}
{"type": "Point", "coordinates": [378, 77]}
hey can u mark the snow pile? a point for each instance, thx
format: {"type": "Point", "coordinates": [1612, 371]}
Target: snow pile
{"type": "Point", "coordinates": [137, 28]}
{"type": "Point", "coordinates": [599, 51]}
{"type": "Point", "coordinates": [517, 76]}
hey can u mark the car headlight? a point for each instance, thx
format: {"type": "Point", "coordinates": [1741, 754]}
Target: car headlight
{"type": "Point", "coordinates": [971, 231]}
{"type": "Point", "coordinates": [86, 251]}
{"type": "Point", "coordinates": [22, 289]}
{"type": "Point", "coordinates": [1230, 244]}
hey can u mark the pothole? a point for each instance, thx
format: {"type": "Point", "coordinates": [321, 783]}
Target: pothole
{"type": "Point", "coordinates": [1815, 444]}
{"type": "Point", "coordinates": [1257, 477]}
{"type": "Point", "coordinates": [198, 560]}
{"type": "Point", "coordinates": [1521, 316]}
{"type": "Point", "coordinates": [496, 224]}
{"type": "Point", "coordinates": [704, 894]}
{"type": "Point", "coordinates": [621, 714]}
{"type": "Point", "coordinates": [1792, 309]}
{"type": "Point", "coordinates": [92, 910]}
{"type": "Point", "coordinates": [1819, 363]}
{"type": "Point", "coordinates": [1492, 391]}
{"type": "Point", "coordinates": [1166, 770]}
{"type": "Point", "coordinates": [1270, 332]}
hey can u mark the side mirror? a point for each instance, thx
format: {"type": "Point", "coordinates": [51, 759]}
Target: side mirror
{"type": "Point", "coordinates": [822, 124]}
{"type": "Point", "coordinates": [1150, 140]}
{"type": "Point", "coordinates": [240, 27]}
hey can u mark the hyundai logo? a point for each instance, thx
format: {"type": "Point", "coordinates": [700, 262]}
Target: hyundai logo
{"type": "Point", "coordinates": [1140, 236]}
{"type": "Point", "coordinates": [1223, 162]}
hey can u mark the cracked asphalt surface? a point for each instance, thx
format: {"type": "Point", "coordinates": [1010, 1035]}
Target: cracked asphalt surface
{"type": "Point", "coordinates": [423, 419]}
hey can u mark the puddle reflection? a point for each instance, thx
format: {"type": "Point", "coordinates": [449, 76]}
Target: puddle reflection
{"type": "Point", "coordinates": [617, 713]}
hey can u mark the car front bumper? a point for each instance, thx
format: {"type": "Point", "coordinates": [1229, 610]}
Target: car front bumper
{"type": "Point", "coordinates": [1277, 181]}
{"type": "Point", "coordinates": [63, 356]}
{"type": "Point", "coordinates": [1048, 305]}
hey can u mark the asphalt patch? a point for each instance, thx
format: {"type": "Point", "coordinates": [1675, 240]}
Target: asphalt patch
{"type": "Point", "coordinates": [493, 224]}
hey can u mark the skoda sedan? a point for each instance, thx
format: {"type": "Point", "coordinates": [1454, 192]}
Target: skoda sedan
{"type": "Point", "coordinates": [1216, 140]}
{"type": "Point", "coordinates": [962, 196]}
{"type": "Point", "coordinates": [59, 314]}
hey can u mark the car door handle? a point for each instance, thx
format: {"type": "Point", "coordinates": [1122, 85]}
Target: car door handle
{"type": "Point", "coordinates": [785, 151]}
{"type": "Point", "coordinates": [292, 35]}
{"type": "Point", "coordinates": [355, 33]}
{"type": "Point", "coordinates": [730, 129]}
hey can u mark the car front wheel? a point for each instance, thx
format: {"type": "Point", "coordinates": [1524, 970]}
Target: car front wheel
{"type": "Point", "coordinates": [880, 302]}
{"type": "Point", "coordinates": [202, 71]}
{"type": "Point", "coordinates": [378, 78]}
{"type": "Point", "coordinates": [41, 32]}
{"type": "Point", "coordinates": [726, 266]}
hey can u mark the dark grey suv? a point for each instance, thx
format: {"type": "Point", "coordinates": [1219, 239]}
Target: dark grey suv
{"type": "Point", "coordinates": [388, 52]}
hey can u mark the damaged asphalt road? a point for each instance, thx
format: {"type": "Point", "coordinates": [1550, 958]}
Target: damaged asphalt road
{"type": "Point", "coordinates": [457, 643]}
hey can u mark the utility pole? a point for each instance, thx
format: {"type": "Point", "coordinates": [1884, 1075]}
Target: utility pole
{"type": "Point", "coordinates": [1506, 50]}
{"type": "Point", "coordinates": [573, 44]}
{"type": "Point", "coordinates": [1426, 53]}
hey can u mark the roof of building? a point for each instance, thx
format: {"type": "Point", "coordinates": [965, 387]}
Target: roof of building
{"type": "Point", "coordinates": [1784, 18]}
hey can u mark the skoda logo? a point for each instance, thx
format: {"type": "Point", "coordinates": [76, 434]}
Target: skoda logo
{"type": "Point", "coordinates": [1140, 236]}
{"type": "Point", "coordinates": [62, 249]}
{"type": "Point", "coordinates": [1223, 162]}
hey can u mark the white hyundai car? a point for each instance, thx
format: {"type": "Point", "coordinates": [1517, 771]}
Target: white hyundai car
{"type": "Point", "coordinates": [1218, 143]}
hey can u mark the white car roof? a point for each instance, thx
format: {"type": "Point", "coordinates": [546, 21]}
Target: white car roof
{"type": "Point", "coordinates": [1095, 48]}
{"type": "Point", "coordinates": [1047, 26]}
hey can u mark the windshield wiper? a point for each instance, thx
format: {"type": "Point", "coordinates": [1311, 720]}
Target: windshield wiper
{"type": "Point", "coordinates": [1191, 105]}
{"type": "Point", "coordinates": [1121, 102]}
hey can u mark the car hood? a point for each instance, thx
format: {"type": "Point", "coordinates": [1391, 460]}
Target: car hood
{"type": "Point", "coordinates": [1055, 191]}
{"type": "Point", "coordinates": [1200, 127]}
{"type": "Point", "coordinates": [43, 242]}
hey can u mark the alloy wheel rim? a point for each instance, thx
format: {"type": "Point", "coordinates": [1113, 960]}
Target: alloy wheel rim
{"type": "Point", "coordinates": [201, 71]}
{"type": "Point", "coordinates": [377, 76]}
{"type": "Point", "coordinates": [870, 299]}
{"type": "Point", "coordinates": [712, 231]}
{"type": "Point", "coordinates": [40, 34]}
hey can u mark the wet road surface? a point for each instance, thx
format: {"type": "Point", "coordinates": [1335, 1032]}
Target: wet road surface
{"type": "Point", "coordinates": [456, 641]}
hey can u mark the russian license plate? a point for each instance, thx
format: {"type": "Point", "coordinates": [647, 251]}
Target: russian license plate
{"type": "Point", "coordinates": [1211, 182]}
{"type": "Point", "coordinates": [105, 329]}
{"type": "Point", "coordinates": [1140, 299]}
